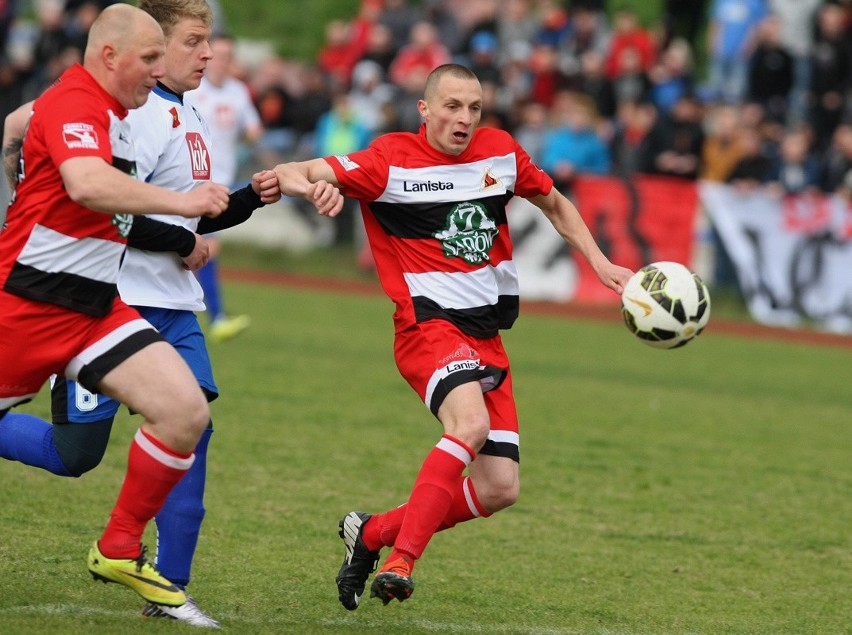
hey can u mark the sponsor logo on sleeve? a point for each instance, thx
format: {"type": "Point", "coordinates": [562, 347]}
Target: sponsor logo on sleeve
{"type": "Point", "coordinates": [80, 136]}
{"type": "Point", "coordinates": [347, 163]}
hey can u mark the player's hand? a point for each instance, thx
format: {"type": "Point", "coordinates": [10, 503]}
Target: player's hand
{"type": "Point", "coordinates": [208, 199]}
{"type": "Point", "coordinates": [199, 255]}
{"type": "Point", "coordinates": [325, 197]}
{"type": "Point", "coordinates": [265, 185]}
{"type": "Point", "coordinates": [614, 277]}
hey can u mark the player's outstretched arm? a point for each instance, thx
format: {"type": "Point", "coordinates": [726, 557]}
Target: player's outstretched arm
{"type": "Point", "coordinates": [313, 181]}
{"type": "Point", "coordinates": [95, 184]}
{"type": "Point", "coordinates": [567, 220]}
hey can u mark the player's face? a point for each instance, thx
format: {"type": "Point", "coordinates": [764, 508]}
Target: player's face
{"type": "Point", "coordinates": [187, 53]}
{"type": "Point", "coordinates": [139, 65]}
{"type": "Point", "coordinates": [452, 113]}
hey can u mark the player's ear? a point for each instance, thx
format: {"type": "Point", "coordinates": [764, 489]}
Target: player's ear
{"type": "Point", "coordinates": [108, 56]}
{"type": "Point", "coordinates": [423, 108]}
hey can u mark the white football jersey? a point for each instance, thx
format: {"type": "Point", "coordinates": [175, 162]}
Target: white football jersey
{"type": "Point", "coordinates": [229, 112]}
{"type": "Point", "coordinates": [172, 151]}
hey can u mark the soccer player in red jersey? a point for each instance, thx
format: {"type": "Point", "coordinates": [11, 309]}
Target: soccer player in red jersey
{"type": "Point", "coordinates": [434, 207]}
{"type": "Point", "coordinates": [60, 252]}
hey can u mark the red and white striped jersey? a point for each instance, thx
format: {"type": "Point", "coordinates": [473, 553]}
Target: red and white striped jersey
{"type": "Point", "coordinates": [53, 249]}
{"type": "Point", "coordinates": [437, 224]}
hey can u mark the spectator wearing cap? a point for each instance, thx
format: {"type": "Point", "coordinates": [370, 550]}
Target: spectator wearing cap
{"type": "Point", "coordinates": [483, 57]}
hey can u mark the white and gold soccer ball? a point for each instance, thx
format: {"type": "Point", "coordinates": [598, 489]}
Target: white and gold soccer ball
{"type": "Point", "coordinates": [665, 304]}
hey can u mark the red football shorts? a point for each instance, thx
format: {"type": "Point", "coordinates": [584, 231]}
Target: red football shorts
{"type": "Point", "coordinates": [435, 357]}
{"type": "Point", "coordinates": [38, 340]}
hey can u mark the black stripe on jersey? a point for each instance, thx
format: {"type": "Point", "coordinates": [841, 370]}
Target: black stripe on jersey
{"type": "Point", "coordinates": [423, 220]}
{"type": "Point", "coordinates": [84, 295]}
{"type": "Point", "coordinates": [92, 373]}
{"type": "Point", "coordinates": [125, 165]}
{"type": "Point", "coordinates": [482, 321]}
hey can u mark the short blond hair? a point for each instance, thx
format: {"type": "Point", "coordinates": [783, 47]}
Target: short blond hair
{"type": "Point", "coordinates": [454, 70]}
{"type": "Point", "coordinates": [169, 12]}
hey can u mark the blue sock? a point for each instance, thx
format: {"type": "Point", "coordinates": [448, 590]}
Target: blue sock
{"type": "Point", "coordinates": [28, 439]}
{"type": "Point", "coordinates": [208, 277]}
{"type": "Point", "coordinates": [179, 521]}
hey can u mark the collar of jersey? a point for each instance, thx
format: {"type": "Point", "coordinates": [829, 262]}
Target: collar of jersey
{"type": "Point", "coordinates": [167, 93]}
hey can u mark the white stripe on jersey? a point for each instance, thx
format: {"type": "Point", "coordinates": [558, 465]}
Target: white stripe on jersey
{"type": "Point", "coordinates": [103, 345]}
{"type": "Point", "coordinates": [53, 252]}
{"type": "Point", "coordinates": [442, 183]}
{"type": "Point", "coordinates": [465, 290]}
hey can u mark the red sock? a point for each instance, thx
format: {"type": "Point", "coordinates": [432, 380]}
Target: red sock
{"type": "Point", "coordinates": [432, 495]}
{"type": "Point", "coordinates": [152, 471]}
{"type": "Point", "coordinates": [382, 529]}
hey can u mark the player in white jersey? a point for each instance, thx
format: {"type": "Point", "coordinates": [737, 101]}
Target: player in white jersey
{"type": "Point", "coordinates": [226, 105]}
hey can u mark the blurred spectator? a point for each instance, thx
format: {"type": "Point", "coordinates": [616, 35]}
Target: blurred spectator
{"type": "Point", "coordinates": [517, 25]}
{"type": "Point", "coordinates": [339, 132]}
{"type": "Point", "coordinates": [371, 96]}
{"type": "Point", "coordinates": [673, 146]}
{"type": "Point", "coordinates": [399, 18]}
{"type": "Point", "coordinates": [672, 76]}
{"type": "Point", "coordinates": [592, 82]}
{"type": "Point", "coordinates": [722, 148]}
{"type": "Point", "coordinates": [483, 57]}
{"type": "Point", "coordinates": [798, 24]}
{"type": "Point", "coordinates": [589, 32]}
{"type": "Point", "coordinates": [795, 170]}
{"type": "Point", "coordinates": [731, 31]}
{"type": "Point", "coordinates": [554, 25]}
{"type": "Point", "coordinates": [311, 100]}
{"type": "Point", "coordinates": [630, 82]}
{"type": "Point", "coordinates": [683, 19]}
{"type": "Point", "coordinates": [628, 35]}
{"type": "Point", "coordinates": [572, 145]}
{"type": "Point", "coordinates": [770, 77]}
{"type": "Point", "coordinates": [447, 24]}
{"type": "Point", "coordinates": [379, 47]}
{"type": "Point", "coordinates": [754, 168]}
{"type": "Point", "coordinates": [831, 68]}
{"type": "Point", "coordinates": [546, 79]}
{"type": "Point", "coordinates": [422, 54]}
{"type": "Point", "coordinates": [633, 121]}
{"type": "Point", "coordinates": [532, 129]}
{"type": "Point", "coordinates": [837, 164]}
{"type": "Point", "coordinates": [338, 55]}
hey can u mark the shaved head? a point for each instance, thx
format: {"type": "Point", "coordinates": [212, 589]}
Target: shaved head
{"type": "Point", "coordinates": [452, 70]}
{"type": "Point", "coordinates": [119, 25]}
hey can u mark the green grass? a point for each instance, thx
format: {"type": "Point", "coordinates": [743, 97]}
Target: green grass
{"type": "Point", "coordinates": [702, 491]}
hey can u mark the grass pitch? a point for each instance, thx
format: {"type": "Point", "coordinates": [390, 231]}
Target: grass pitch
{"type": "Point", "coordinates": [701, 491]}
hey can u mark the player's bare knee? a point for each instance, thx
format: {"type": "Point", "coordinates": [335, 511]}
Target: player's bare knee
{"type": "Point", "coordinates": [499, 496]}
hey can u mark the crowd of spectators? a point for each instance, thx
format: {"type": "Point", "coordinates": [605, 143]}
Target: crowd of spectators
{"type": "Point", "coordinates": [751, 92]}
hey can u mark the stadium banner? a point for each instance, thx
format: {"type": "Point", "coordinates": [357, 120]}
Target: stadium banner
{"type": "Point", "coordinates": [635, 222]}
{"type": "Point", "coordinates": [792, 255]}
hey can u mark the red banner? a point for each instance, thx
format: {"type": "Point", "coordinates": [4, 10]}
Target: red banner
{"type": "Point", "coordinates": [635, 222]}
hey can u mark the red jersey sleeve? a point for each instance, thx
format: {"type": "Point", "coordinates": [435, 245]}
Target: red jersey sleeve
{"type": "Point", "coordinates": [75, 126]}
{"type": "Point", "coordinates": [532, 180]}
{"type": "Point", "coordinates": [363, 175]}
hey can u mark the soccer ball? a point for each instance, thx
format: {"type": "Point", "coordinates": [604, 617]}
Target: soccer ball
{"type": "Point", "coordinates": [665, 305]}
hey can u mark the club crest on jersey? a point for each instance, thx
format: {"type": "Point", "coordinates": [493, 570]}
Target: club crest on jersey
{"type": "Point", "coordinates": [123, 222]}
{"type": "Point", "coordinates": [198, 156]}
{"type": "Point", "coordinates": [469, 233]}
{"type": "Point", "coordinates": [490, 181]}
{"type": "Point", "coordinates": [80, 135]}
{"type": "Point", "coordinates": [175, 119]}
